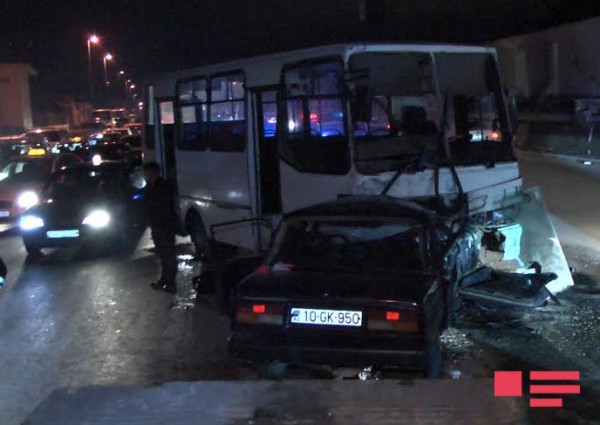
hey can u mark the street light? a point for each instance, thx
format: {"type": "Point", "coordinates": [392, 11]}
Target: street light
{"type": "Point", "coordinates": [107, 57]}
{"type": "Point", "coordinates": [92, 39]}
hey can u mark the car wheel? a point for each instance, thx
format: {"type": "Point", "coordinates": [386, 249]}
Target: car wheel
{"type": "Point", "coordinates": [433, 359]}
{"type": "Point", "coordinates": [197, 232]}
{"type": "Point", "coordinates": [123, 239]}
{"type": "Point", "coordinates": [32, 249]}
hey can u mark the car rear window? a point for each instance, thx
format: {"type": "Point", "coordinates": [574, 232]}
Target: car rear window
{"type": "Point", "coordinates": [351, 245]}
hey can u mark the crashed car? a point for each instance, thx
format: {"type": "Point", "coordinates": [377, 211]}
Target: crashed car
{"type": "Point", "coordinates": [362, 281]}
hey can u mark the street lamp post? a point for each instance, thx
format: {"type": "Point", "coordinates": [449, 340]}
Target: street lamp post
{"type": "Point", "coordinates": [92, 39]}
{"type": "Point", "coordinates": [107, 57]}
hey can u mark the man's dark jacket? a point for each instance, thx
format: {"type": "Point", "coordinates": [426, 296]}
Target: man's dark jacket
{"type": "Point", "coordinates": [160, 205]}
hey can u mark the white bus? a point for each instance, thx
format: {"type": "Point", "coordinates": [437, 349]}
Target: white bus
{"type": "Point", "coordinates": [248, 140]}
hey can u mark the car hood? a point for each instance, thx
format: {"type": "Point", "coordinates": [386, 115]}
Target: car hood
{"type": "Point", "coordinates": [316, 285]}
{"type": "Point", "coordinates": [10, 190]}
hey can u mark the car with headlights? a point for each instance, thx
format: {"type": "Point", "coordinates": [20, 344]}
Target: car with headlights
{"type": "Point", "coordinates": [104, 151]}
{"type": "Point", "coordinates": [22, 178]}
{"type": "Point", "coordinates": [85, 205]}
{"type": "Point", "coordinates": [364, 281]}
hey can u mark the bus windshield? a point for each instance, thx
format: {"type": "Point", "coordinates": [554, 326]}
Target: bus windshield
{"type": "Point", "coordinates": [416, 99]}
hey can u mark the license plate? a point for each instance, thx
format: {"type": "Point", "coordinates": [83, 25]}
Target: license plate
{"type": "Point", "coordinates": [313, 316]}
{"type": "Point", "coordinates": [58, 234]}
{"type": "Point", "coordinates": [4, 214]}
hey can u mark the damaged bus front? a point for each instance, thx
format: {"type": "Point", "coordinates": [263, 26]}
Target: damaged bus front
{"type": "Point", "coordinates": [437, 123]}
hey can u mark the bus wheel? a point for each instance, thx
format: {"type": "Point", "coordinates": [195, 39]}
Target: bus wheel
{"type": "Point", "coordinates": [197, 232]}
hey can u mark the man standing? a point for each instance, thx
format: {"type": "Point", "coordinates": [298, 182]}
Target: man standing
{"type": "Point", "coordinates": [162, 219]}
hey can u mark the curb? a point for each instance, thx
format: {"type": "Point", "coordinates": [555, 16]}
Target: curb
{"type": "Point", "coordinates": [573, 158]}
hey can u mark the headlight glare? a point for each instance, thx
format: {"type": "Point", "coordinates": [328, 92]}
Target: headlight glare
{"type": "Point", "coordinates": [97, 219]}
{"type": "Point", "coordinates": [27, 200]}
{"type": "Point", "coordinates": [30, 222]}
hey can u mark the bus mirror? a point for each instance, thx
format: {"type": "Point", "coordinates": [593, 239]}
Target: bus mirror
{"type": "Point", "coordinates": [362, 104]}
{"type": "Point", "coordinates": [513, 115]}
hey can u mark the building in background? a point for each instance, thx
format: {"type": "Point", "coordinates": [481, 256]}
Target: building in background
{"type": "Point", "coordinates": [15, 97]}
{"type": "Point", "coordinates": [561, 63]}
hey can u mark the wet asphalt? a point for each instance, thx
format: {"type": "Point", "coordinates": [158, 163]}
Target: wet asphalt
{"type": "Point", "coordinates": [79, 318]}
{"type": "Point", "coordinates": [76, 318]}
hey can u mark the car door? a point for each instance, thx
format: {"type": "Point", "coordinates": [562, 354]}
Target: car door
{"type": "Point", "coordinates": [507, 285]}
{"type": "Point", "coordinates": [492, 288]}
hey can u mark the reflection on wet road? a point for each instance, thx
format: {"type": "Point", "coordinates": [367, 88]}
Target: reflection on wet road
{"type": "Point", "coordinates": [72, 319]}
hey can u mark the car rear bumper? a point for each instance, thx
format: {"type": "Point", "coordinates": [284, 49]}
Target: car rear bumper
{"type": "Point", "coordinates": [249, 347]}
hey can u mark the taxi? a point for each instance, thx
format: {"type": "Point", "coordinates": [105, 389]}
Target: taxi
{"type": "Point", "coordinates": [22, 178]}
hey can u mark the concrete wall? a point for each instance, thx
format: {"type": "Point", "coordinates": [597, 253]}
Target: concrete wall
{"type": "Point", "coordinates": [562, 61]}
{"type": "Point", "coordinates": [15, 98]}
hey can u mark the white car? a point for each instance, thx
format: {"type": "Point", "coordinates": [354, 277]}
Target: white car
{"type": "Point", "coordinates": [22, 179]}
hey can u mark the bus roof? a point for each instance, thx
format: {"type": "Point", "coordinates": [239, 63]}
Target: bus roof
{"type": "Point", "coordinates": [343, 50]}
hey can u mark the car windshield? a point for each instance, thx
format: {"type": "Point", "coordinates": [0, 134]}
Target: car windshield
{"type": "Point", "coordinates": [355, 245]}
{"type": "Point", "coordinates": [26, 170]}
{"type": "Point", "coordinates": [84, 182]}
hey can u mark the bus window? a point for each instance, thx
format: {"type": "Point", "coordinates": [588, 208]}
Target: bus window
{"type": "Point", "coordinates": [149, 127]}
{"type": "Point", "coordinates": [405, 109]}
{"type": "Point", "coordinates": [476, 126]}
{"type": "Point", "coordinates": [269, 112]}
{"type": "Point", "coordinates": [315, 138]}
{"type": "Point", "coordinates": [227, 113]}
{"type": "Point", "coordinates": [193, 112]}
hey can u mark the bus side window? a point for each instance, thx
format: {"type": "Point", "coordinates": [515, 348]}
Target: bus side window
{"type": "Point", "coordinates": [227, 113]}
{"type": "Point", "coordinates": [193, 115]}
{"type": "Point", "coordinates": [314, 137]}
{"type": "Point", "coordinates": [269, 113]}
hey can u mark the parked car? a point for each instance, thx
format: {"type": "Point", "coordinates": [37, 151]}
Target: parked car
{"type": "Point", "coordinates": [11, 146]}
{"type": "Point", "coordinates": [22, 178]}
{"type": "Point", "coordinates": [85, 205]}
{"type": "Point", "coordinates": [362, 281]}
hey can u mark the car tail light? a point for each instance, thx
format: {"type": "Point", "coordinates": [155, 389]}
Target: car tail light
{"type": "Point", "coordinates": [263, 271]}
{"type": "Point", "coordinates": [259, 308]}
{"type": "Point", "coordinates": [259, 313]}
{"type": "Point", "coordinates": [398, 320]}
{"type": "Point", "coordinates": [392, 316]}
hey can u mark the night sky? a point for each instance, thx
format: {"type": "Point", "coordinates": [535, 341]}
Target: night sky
{"type": "Point", "coordinates": [150, 36]}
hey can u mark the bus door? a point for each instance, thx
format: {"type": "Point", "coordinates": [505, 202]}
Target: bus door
{"type": "Point", "coordinates": [267, 163]}
{"type": "Point", "coordinates": [166, 138]}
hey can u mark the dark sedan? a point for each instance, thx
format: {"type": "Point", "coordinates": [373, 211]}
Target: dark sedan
{"type": "Point", "coordinates": [364, 281]}
{"type": "Point", "coordinates": [344, 284]}
{"type": "Point", "coordinates": [85, 205]}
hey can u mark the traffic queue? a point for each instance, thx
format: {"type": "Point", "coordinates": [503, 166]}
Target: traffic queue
{"type": "Point", "coordinates": [75, 187]}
